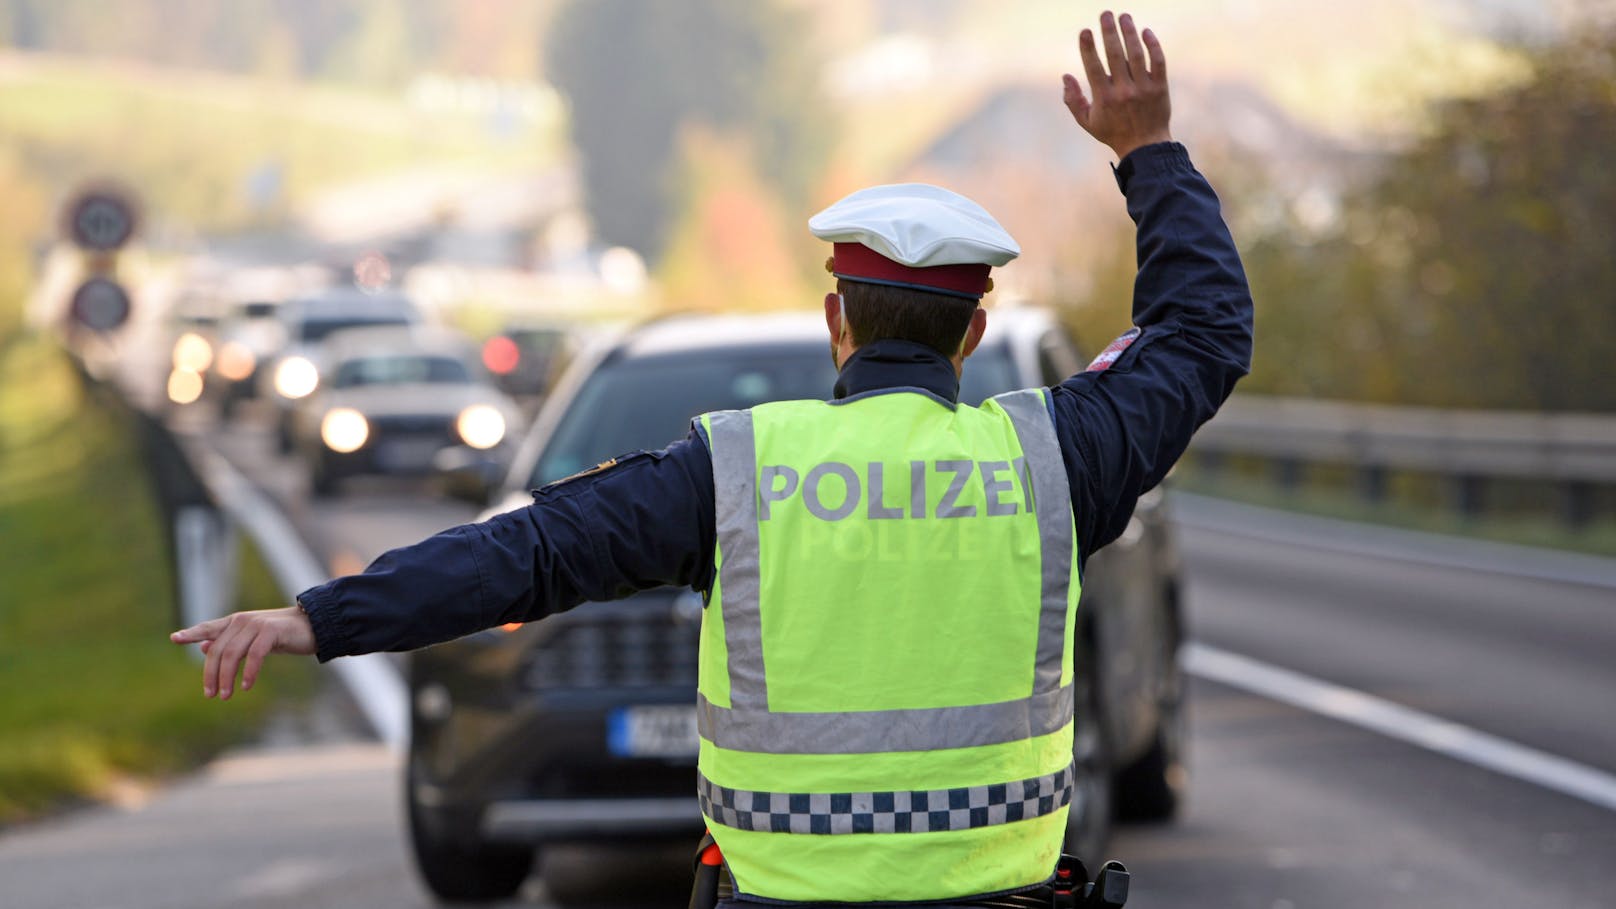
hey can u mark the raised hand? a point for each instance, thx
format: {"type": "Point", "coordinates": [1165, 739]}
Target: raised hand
{"type": "Point", "coordinates": [241, 641]}
{"type": "Point", "coordinates": [1128, 107]}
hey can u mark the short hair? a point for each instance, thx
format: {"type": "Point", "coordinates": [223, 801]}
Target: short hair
{"type": "Point", "coordinates": [879, 311]}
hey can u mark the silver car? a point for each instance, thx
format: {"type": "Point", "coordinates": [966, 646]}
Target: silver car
{"type": "Point", "coordinates": [291, 371]}
{"type": "Point", "coordinates": [402, 400]}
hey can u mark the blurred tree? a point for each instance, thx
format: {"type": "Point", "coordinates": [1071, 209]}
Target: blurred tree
{"type": "Point", "coordinates": [730, 246]}
{"type": "Point", "coordinates": [1477, 269]}
{"type": "Point", "coordinates": [635, 72]}
{"type": "Point", "coordinates": [371, 41]}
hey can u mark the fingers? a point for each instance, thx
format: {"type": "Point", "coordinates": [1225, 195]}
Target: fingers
{"type": "Point", "coordinates": [1092, 66]}
{"type": "Point", "coordinates": [1114, 56]}
{"type": "Point", "coordinates": [232, 650]}
{"type": "Point", "coordinates": [1136, 50]}
{"type": "Point", "coordinates": [261, 647]}
{"type": "Point", "coordinates": [224, 655]}
{"type": "Point", "coordinates": [1075, 100]}
{"type": "Point", "coordinates": [202, 631]}
{"type": "Point", "coordinates": [1158, 60]}
{"type": "Point", "coordinates": [210, 666]}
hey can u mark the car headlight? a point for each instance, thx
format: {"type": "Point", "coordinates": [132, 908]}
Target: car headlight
{"type": "Point", "coordinates": [344, 430]}
{"type": "Point", "coordinates": [481, 426]}
{"type": "Point", "coordinates": [184, 386]}
{"type": "Point", "coordinates": [192, 352]}
{"type": "Point", "coordinates": [236, 361]}
{"type": "Point", "coordinates": [296, 377]}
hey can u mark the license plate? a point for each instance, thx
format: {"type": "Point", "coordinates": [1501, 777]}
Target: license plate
{"type": "Point", "coordinates": [407, 454]}
{"type": "Point", "coordinates": [665, 730]}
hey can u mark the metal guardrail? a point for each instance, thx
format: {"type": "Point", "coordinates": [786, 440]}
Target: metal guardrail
{"type": "Point", "coordinates": [1574, 449]}
{"type": "Point", "coordinates": [1569, 447]}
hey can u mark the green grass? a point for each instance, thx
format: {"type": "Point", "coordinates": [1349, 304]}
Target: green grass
{"type": "Point", "coordinates": [1413, 503]}
{"type": "Point", "coordinates": [91, 690]}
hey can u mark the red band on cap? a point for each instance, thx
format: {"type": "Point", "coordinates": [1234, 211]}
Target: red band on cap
{"type": "Point", "coordinates": [856, 261]}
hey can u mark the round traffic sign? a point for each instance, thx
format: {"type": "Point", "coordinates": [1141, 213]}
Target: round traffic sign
{"type": "Point", "coordinates": [100, 304]}
{"type": "Point", "coordinates": [101, 220]}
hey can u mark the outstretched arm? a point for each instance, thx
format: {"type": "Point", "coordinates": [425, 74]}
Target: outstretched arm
{"type": "Point", "coordinates": [645, 521]}
{"type": "Point", "coordinates": [1125, 421]}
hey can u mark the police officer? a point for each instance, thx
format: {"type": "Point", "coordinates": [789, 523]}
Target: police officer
{"type": "Point", "coordinates": [887, 646]}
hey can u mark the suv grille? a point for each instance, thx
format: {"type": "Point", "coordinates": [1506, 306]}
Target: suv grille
{"type": "Point", "coordinates": [647, 647]}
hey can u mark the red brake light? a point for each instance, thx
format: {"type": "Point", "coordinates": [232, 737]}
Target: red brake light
{"type": "Point", "coordinates": [501, 355]}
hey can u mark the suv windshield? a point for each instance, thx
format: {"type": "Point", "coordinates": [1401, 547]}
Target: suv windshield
{"type": "Point", "coordinates": [645, 403]}
{"type": "Point", "coordinates": [403, 369]}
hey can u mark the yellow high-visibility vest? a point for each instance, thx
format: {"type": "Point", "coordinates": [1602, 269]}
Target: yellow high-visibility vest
{"type": "Point", "coordinates": [885, 686]}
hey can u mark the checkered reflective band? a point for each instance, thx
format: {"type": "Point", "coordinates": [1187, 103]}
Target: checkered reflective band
{"type": "Point", "coordinates": [924, 811]}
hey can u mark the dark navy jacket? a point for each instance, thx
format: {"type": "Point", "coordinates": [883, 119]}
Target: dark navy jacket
{"type": "Point", "coordinates": [649, 520]}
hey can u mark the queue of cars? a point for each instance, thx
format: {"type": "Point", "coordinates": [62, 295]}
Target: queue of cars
{"type": "Point", "coordinates": [357, 382]}
{"type": "Point", "coordinates": [582, 726]}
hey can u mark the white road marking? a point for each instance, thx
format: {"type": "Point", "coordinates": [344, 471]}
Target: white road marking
{"type": "Point", "coordinates": [1404, 724]}
{"type": "Point", "coordinates": [287, 877]}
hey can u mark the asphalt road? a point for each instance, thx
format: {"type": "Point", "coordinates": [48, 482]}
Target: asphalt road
{"type": "Point", "coordinates": [1288, 808]}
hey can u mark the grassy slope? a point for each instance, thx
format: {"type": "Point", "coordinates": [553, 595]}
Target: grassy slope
{"type": "Point", "coordinates": [90, 688]}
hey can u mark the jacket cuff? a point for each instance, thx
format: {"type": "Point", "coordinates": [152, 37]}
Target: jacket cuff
{"type": "Point", "coordinates": [331, 636]}
{"type": "Point", "coordinates": [1152, 160]}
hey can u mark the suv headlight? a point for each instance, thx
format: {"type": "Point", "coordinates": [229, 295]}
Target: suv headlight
{"type": "Point", "coordinates": [296, 377]}
{"type": "Point", "coordinates": [481, 426]}
{"type": "Point", "coordinates": [344, 430]}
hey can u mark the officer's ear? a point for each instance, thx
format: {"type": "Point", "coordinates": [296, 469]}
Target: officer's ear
{"type": "Point", "coordinates": [973, 333]}
{"type": "Point", "coordinates": [835, 317]}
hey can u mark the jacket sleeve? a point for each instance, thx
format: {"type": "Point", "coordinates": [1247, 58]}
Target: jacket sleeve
{"type": "Point", "coordinates": [643, 522]}
{"type": "Point", "coordinates": [1125, 420]}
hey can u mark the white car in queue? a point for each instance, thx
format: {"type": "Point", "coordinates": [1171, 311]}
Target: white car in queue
{"type": "Point", "coordinates": [407, 400]}
{"type": "Point", "coordinates": [293, 371]}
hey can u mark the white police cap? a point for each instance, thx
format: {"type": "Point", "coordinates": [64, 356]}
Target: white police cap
{"type": "Point", "coordinates": [922, 236]}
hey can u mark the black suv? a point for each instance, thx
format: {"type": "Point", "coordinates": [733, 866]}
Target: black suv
{"type": "Point", "coordinates": [582, 726]}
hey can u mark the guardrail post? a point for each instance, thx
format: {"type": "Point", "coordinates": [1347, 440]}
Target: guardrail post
{"type": "Point", "coordinates": [1471, 493]}
{"type": "Point", "coordinates": [1288, 474]}
{"type": "Point", "coordinates": [1372, 483]}
{"type": "Point", "coordinates": [1577, 503]}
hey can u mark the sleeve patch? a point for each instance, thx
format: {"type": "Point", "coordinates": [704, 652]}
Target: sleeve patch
{"type": "Point", "coordinates": [622, 460]}
{"type": "Point", "coordinates": [1114, 350]}
{"type": "Point", "coordinates": [602, 467]}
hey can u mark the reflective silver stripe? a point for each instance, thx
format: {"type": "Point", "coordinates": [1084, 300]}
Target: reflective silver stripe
{"type": "Point", "coordinates": [1052, 497]}
{"type": "Point", "coordinates": [923, 811]}
{"type": "Point", "coordinates": [734, 477]}
{"type": "Point", "coordinates": [876, 731]}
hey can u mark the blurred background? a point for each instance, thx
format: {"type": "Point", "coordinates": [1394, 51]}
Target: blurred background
{"type": "Point", "coordinates": [287, 283]}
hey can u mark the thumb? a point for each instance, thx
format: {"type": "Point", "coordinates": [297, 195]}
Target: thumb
{"type": "Point", "coordinates": [1076, 101]}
